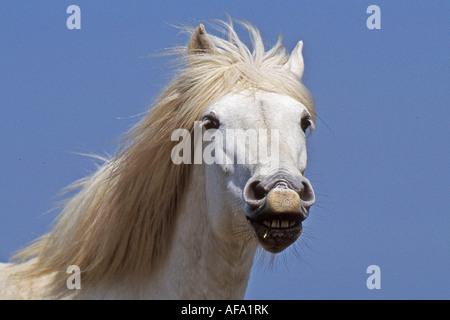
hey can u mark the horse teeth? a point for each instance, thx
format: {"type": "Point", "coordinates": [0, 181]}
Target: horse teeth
{"type": "Point", "coordinates": [278, 224]}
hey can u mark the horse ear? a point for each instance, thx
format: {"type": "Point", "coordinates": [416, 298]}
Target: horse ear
{"type": "Point", "coordinates": [199, 41]}
{"type": "Point", "coordinates": [295, 62]}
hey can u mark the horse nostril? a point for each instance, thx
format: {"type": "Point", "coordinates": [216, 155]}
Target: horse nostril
{"type": "Point", "coordinates": [255, 193]}
{"type": "Point", "coordinates": [258, 191]}
{"type": "Point", "coordinates": [307, 193]}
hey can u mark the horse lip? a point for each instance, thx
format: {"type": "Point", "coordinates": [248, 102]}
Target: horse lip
{"type": "Point", "coordinates": [276, 239]}
{"type": "Point", "coordinates": [262, 213]}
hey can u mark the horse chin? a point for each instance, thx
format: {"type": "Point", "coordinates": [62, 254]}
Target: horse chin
{"type": "Point", "coordinates": [276, 235]}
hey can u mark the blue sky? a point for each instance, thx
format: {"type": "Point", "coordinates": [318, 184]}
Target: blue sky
{"type": "Point", "coordinates": [378, 161]}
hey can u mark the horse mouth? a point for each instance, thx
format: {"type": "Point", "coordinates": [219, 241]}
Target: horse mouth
{"type": "Point", "coordinates": [276, 232]}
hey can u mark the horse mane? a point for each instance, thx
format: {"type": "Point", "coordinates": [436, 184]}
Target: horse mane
{"type": "Point", "coordinates": [121, 220]}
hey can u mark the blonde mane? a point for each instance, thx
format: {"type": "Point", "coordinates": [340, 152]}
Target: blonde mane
{"type": "Point", "coordinates": [120, 222]}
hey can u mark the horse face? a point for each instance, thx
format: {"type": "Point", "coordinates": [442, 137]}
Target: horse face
{"type": "Point", "coordinates": [255, 151]}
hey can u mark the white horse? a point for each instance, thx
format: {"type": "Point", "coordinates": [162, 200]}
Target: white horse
{"type": "Point", "coordinates": [144, 227]}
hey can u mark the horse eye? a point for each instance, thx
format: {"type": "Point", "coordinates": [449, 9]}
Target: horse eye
{"type": "Point", "coordinates": [210, 122]}
{"type": "Point", "coordinates": [305, 123]}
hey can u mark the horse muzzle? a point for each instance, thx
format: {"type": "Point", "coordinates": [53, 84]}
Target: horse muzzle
{"type": "Point", "coordinates": [276, 216]}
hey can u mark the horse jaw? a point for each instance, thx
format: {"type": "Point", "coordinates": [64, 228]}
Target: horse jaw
{"type": "Point", "coordinates": [201, 264]}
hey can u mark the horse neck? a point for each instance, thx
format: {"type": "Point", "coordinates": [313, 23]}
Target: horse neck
{"type": "Point", "coordinates": [201, 264]}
